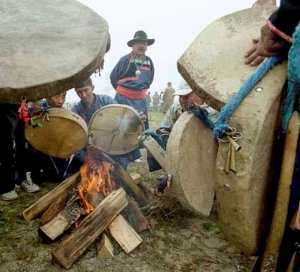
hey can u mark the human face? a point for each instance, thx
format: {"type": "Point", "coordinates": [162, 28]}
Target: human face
{"type": "Point", "coordinates": [86, 94]}
{"type": "Point", "coordinates": [57, 101]}
{"type": "Point", "coordinates": [189, 100]}
{"type": "Point", "coordinates": [139, 48]}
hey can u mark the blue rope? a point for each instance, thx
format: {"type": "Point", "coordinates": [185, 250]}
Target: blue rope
{"type": "Point", "coordinates": [293, 80]}
{"type": "Point", "coordinates": [220, 126]}
{"type": "Point", "coordinates": [202, 114]}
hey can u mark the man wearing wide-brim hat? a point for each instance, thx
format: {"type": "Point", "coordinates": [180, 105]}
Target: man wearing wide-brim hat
{"type": "Point", "coordinates": [133, 74]}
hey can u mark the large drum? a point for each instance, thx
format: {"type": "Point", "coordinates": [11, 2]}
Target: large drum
{"type": "Point", "coordinates": [214, 66]}
{"type": "Point", "coordinates": [47, 45]}
{"type": "Point", "coordinates": [61, 133]}
{"type": "Point", "coordinates": [115, 129]}
{"type": "Point", "coordinates": [191, 156]}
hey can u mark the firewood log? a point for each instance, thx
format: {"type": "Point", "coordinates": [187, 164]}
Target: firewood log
{"type": "Point", "coordinates": [43, 203]}
{"type": "Point", "coordinates": [105, 248]}
{"type": "Point", "coordinates": [54, 208]}
{"type": "Point", "coordinates": [135, 217]}
{"type": "Point", "coordinates": [124, 180]}
{"type": "Point", "coordinates": [63, 220]}
{"type": "Point", "coordinates": [90, 228]}
{"type": "Point", "coordinates": [124, 234]}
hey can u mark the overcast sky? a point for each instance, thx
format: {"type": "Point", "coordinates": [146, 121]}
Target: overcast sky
{"type": "Point", "coordinates": [173, 23]}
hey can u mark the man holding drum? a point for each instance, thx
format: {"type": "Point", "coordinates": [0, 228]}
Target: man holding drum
{"type": "Point", "coordinates": [88, 105]}
{"type": "Point", "coordinates": [89, 101]}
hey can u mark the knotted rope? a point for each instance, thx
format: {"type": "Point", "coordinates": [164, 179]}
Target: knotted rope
{"type": "Point", "coordinates": [221, 126]}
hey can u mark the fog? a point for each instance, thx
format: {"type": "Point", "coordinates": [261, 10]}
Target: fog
{"type": "Point", "coordinates": [174, 25]}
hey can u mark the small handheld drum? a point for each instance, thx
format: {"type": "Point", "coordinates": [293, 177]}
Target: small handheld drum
{"type": "Point", "coordinates": [115, 129]}
{"type": "Point", "coordinates": [60, 135]}
{"type": "Point", "coordinates": [46, 46]}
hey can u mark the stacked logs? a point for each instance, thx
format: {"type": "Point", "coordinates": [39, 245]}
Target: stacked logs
{"type": "Point", "coordinates": [116, 214]}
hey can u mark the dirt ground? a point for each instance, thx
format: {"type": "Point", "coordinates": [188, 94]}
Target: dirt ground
{"type": "Point", "coordinates": [179, 241]}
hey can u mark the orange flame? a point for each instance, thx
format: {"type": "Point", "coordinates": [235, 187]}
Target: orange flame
{"type": "Point", "coordinates": [95, 181]}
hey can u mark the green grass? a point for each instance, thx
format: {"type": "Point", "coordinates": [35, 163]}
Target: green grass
{"type": "Point", "coordinates": [155, 119]}
{"type": "Point", "coordinates": [176, 242]}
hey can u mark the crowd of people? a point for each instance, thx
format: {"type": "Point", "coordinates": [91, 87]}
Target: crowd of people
{"type": "Point", "coordinates": [161, 101]}
{"type": "Point", "coordinates": [23, 166]}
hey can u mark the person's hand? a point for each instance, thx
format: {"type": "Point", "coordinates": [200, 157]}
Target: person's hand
{"type": "Point", "coordinates": [268, 45]}
{"type": "Point", "coordinates": [197, 101]}
{"type": "Point", "coordinates": [163, 131]}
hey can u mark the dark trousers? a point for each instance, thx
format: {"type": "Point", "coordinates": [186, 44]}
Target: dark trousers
{"type": "Point", "coordinates": [23, 159]}
{"type": "Point", "coordinates": [8, 122]}
{"type": "Point", "coordinates": [44, 167]}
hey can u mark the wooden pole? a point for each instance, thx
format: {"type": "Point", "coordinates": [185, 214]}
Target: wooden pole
{"type": "Point", "coordinates": [284, 189]}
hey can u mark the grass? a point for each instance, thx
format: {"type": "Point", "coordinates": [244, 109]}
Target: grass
{"type": "Point", "coordinates": [176, 243]}
{"type": "Point", "coordinates": [155, 119]}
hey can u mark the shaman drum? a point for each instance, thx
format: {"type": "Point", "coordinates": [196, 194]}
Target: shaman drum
{"type": "Point", "coordinates": [214, 67]}
{"type": "Point", "coordinates": [191, 155]}
{"type": "Point", "coordinates": [61, 134]}
{"type": "Point", "coordinates": [115, 129]}
{"type": "Point", "coordinates": [46, 46]}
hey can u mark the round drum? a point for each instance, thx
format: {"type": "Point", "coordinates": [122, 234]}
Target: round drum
{"type": "Point", "coordinates": [191, 153]}
{"type": "Point", "coordinates": [115, 129]}
{"type": "Point", "coordinates": [61, 135]}
{"type": "Point", "coordinates": [46, 46]}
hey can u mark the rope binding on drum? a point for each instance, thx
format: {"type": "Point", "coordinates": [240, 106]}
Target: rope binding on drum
{"type": "Point", "coordinates": [221, 130]}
